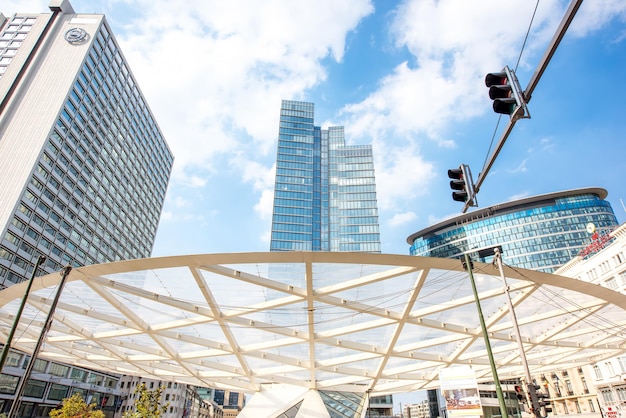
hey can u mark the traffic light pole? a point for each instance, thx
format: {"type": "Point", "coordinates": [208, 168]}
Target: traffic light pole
{"type": "Point", "coordinates": [494, 370]}
{"type": "Point", "coordinates": [530, 387]}
{"type": "Point", "coordinates": [534, 80]}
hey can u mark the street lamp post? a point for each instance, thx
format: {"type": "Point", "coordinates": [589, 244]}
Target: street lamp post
{"type": "Point", "coordinates": [46, 327]}
{"type": "Point", "coordinates": [7, 345]}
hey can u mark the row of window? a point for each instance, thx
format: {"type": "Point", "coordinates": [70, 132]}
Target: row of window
{"type": "Point", "coordinates": [110, 60]}
{"type": "Point", "coordinates": [354, 181]}
{"type": "Point", "coordinates": [365, 163]}
{"type": "Point", "coordinates": [100, 197]}
{"type": "Point", "coordinates": [280, 180]}
{"type": "Point", "coordinates": [97, 184]}
{"type": "Point", "coordinates": [294, 123]}
{"type": "Point", "coordinates": [294, 108]}
{"type": "Point", "coordinates": [11, 39]}
{"type": "Point", "coordinates": [20, 360]}
{"type": "Point", "coordinates": [278, 245]}
{"type": "Point", "coordinates": [111, 129]}
{"type": "Point", "coordinates": [356, 203]}
{"type": "Point", "coordinates": [367, 247]}
{"type": "Point", "coordinates": [359, 229]}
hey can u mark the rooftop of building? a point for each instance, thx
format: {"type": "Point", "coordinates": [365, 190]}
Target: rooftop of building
{"type": "Point", "coordinates": [510, 206]}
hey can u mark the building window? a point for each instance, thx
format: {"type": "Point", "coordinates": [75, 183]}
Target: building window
{"type": "Point", "coordinates": [592, 407]}
{"type": "Point", "coordinates": [8, 384]}
{"type": "Point", "coordinates": [39, 366]}
{"type": "Point", "coordinates": [59, 370]}
{"type": "Point", "coordinates": [622, 363]}
{"type": "Point", "coordinates": [35, 388]}
{"type": "Point", "coordinates": [58, 392]}
{"type": "Point", "coordinates": [607, 396]}
{"type": "Point", "coordinates": [611, 283]}
{"type": "Point", "coordinates": [597, 371]}
{"type": "Point", "coordinates": [584, 383]}
{"type": "Point", "coordinates": [13, 359]}
{"type": "Point", "coordinates": [568, 385]}
{"type": "Point", "coordinates": [604, 267]}
{"type": "Point", "coordinates": [609, 367]}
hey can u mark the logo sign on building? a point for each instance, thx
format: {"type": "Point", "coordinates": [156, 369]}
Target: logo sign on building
{"type": "Point", "coordinates": [460, 390]}
{"type": "Point", "coordinates": [610, 413]}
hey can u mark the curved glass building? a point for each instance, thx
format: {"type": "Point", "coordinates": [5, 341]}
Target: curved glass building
{"type": "Point", "coordinates": [538, 233]}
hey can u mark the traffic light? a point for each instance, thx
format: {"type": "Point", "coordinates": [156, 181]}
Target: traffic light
{"type": "Point", "coordinates": [462, 185]}
{"type": "Point", "coordinates": [544, 402]}
{"type": "Point", "coordinates": [540, 400]}
{"type": "Point", "coordinates": [506, 93]}
{"type": "Point", "coordinates": [520, 394]}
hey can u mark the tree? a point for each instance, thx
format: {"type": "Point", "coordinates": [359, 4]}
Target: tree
{"type": "Point", "coordinates": [76, 407]}
{"type": "Point", "coordinates": [148, 405]}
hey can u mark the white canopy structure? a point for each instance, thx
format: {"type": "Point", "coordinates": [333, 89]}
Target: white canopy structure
{"type": "Point", "coordinates": [353, 322]}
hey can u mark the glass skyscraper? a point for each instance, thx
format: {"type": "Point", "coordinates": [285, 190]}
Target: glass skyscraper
{"type": "Point", "coordinates": [537, 233]}
{"type": "Point", "coordinates": [325, 191]}
{"type": "Point", "coordinates": [85, 166]}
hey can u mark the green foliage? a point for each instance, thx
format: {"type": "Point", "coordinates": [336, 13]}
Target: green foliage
{"type": "Point", "coordinates": [76, 407]}
{"type": "Point", "coordinates": [148, 405]}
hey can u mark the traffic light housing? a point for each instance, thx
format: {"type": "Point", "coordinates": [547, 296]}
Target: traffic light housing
{"type": "Point", "coordinates": [540, 400]}
{"type": "Point", "coordinates": [462, 185]}
{"type": "Point", "coordinates": [520, 394]}
{"type": "Point", "coordinates": [506, 93]}
{"type": "Point", "coordinates": [544, 402]}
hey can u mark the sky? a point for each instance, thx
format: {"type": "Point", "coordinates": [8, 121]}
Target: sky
{"type": "Point", "coordinates": [404, 76]}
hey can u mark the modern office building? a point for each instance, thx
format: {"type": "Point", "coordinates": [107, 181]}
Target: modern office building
{"type": "Point", "coordinates": [325, 192]}
{"type": "Point", "coordinates": [84, 165]}
{"type": "Point", "coordinates": [537, 233]}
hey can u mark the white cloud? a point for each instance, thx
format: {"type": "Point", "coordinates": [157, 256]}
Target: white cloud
{"type": "Point", "coordinates": [265, 204]}
{"type": "Point", "coordinates": [520, 168]}
{"type": "Point", "coordinates": [432, 220]}
{"type": "Point", "coordinates": [401, 219]}
{"type": "Point", "coordinates": [592, 15]}
{"type": "Point", "coordinates": [518, 196]}
{"type": "Point", "coordinates": [215, 72]}
{"type": "Point", "coordinates": [401, 174]}
{"type": "Point", "coordinates": [181, 202]}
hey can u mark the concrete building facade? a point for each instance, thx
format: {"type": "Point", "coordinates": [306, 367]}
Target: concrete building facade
{"type": "Point", "coordinates": [600, 388]}
{"type": "Point", "coordinates": [84, 171]}
{"type": "Point", "coordinates": [85, 166]}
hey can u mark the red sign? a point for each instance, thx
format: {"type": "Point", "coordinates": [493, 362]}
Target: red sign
{"type": "Point", "coordinates": [597, 244]}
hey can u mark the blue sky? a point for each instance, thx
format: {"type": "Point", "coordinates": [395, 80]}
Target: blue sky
{"type": "Point", "coordinates": [404, 76]}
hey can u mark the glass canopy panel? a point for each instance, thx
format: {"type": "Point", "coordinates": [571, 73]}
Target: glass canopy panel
{"type": "Point", "coordinates": [344, 320]}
